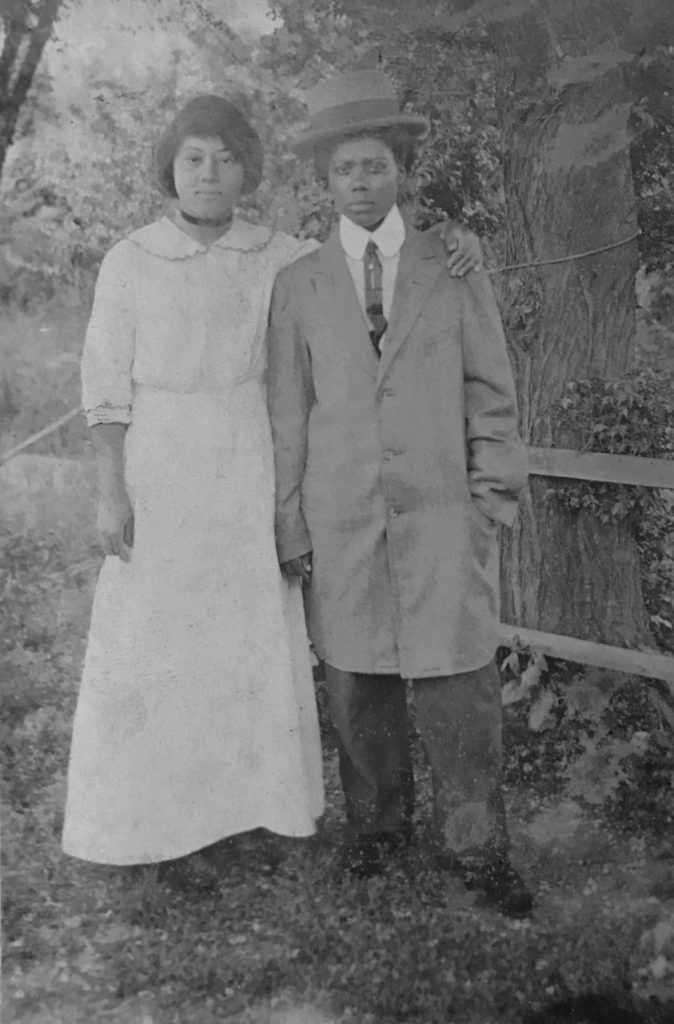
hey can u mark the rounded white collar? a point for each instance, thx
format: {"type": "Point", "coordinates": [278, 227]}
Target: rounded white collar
{"type": "Point", "coordinates": [164, 238]}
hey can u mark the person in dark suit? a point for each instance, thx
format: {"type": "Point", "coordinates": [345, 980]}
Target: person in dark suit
{"type": "Point", "coordinates": [397, 458]}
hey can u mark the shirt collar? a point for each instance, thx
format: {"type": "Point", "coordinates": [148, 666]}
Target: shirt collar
{"type": "Point", "coordinates": [388, 237]}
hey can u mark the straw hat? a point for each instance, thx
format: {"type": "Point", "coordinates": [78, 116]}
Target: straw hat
{"type": "Point", "coordinates": [352, 103]}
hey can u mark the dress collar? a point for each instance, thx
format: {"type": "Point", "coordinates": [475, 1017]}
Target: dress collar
{"type": "Point", "coordinates": [164, 238]}
{"type": "Point", "coordinates": [388, 237]}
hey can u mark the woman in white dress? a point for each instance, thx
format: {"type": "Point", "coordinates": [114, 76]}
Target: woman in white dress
{"type": "Point", "coordinates": [196, 718]}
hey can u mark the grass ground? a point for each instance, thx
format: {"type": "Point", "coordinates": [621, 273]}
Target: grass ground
{"type": "Point", "coordinates": [86, 944]}
{"type": "Point", "coordinates": [301, 944]}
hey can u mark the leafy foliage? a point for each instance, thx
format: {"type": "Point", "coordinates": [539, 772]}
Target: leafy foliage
{"type": "Point", "coordinates": [79, 177]}
{"type": "Point", "coordinates": [628, 416]}
{"type": "Point", "coordinates": [656, 548]}
{"type": "Point", "coordinates": [653, 155]}
{"type": "Point", "coordinates": [655, 960]}
{"type": "Point", "coordinates": [452, 82]}
{"type": "Point", "coordinates": [594, 740]}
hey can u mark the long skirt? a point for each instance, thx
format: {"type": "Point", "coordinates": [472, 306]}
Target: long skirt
{"type": "Point", "coordinates": [196, 717]}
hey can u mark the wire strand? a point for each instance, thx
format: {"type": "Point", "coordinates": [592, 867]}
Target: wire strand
{"type": "Point", "coordinates": [564, 259]}
{"type": "Point", "coordinates": [39, 435]}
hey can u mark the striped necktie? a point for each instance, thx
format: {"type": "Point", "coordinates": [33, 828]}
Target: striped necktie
{"type": "Point", "coordinates": [374, 294]}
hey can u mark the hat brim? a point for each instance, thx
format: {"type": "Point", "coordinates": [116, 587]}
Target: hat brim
{"type": "Point", "coordinates": [409, 124]}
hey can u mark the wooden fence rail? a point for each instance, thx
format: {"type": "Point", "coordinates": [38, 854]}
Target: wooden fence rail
{"type": "Point", "coordinates": [598, 466]}
{"type": "Point", "coordinates": [618, 469]}
{"type": "Point", "coordinates": [619, 659]}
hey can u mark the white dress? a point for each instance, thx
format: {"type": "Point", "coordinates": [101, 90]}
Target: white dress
{"type": "Point", "coordinates": [196, 717]}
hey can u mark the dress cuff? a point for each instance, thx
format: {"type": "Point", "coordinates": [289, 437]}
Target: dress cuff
{"type": "Point", "coordinates": [108, 414]}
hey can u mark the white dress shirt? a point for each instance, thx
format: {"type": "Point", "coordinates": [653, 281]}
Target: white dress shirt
{"type": "Point", "coordinates": [388, 238]}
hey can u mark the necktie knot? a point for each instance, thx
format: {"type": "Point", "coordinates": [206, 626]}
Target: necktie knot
{"type": "Point", "coordinates": [372, 250]}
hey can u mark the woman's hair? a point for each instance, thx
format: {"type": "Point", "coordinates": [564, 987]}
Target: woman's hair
{"type": "Point", "coordinates": [402, 145]}
{"type": "Point", "coordinates": [204, 117]}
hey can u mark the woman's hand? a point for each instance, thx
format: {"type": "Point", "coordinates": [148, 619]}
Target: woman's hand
{"type": "Point", "coordinates": [115, 523]}
{"type": "Point", "coordinates": [463, 248]}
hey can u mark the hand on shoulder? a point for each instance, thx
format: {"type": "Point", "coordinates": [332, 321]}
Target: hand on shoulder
{"type": "Point", "coordinates": [464, 253]}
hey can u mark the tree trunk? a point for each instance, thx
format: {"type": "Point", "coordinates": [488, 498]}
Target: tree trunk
{"type": "Point", "coordinates": [27, 27]}
{"type": "Point", "coordinates": [568, 188]}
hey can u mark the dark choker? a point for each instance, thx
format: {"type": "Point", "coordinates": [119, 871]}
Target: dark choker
{"type": "Point", "coordinates": [207, 222]}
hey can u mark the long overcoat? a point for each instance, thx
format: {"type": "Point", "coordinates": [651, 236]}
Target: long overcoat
{"type": "Point", "coordinates": [394, 471]}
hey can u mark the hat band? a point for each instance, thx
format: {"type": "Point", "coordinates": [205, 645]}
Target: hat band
{"type": "Point", "coordinates": [349, 115]}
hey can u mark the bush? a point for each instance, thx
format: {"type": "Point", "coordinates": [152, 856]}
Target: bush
{"type": "Point", "coordinates": [575, 731]}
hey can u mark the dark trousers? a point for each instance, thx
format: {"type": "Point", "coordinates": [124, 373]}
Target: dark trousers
{"type": "Point", "coordinates": [459, 718]}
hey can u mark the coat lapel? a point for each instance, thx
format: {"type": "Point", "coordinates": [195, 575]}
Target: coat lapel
{"type": "Point", "coordinates": [418, 271]}
{"type": "Point", "coordinates": [339, 305]}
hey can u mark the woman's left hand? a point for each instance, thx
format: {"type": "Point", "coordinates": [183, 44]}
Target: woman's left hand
{"type": "Point", "coordinates": [463, 248]}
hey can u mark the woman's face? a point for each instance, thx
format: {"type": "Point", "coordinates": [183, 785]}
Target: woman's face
{"type": "Point", "coordinates": [207, 178]}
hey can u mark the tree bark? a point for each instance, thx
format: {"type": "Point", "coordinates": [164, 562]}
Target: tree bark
{"type": "Point", "coordinates": [28, 26]}
{"type": "Point", "coordinates": [564, 112]}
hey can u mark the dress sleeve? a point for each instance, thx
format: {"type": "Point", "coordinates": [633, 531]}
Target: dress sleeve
{"type": "Point", "coordinates": [108, 354]}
